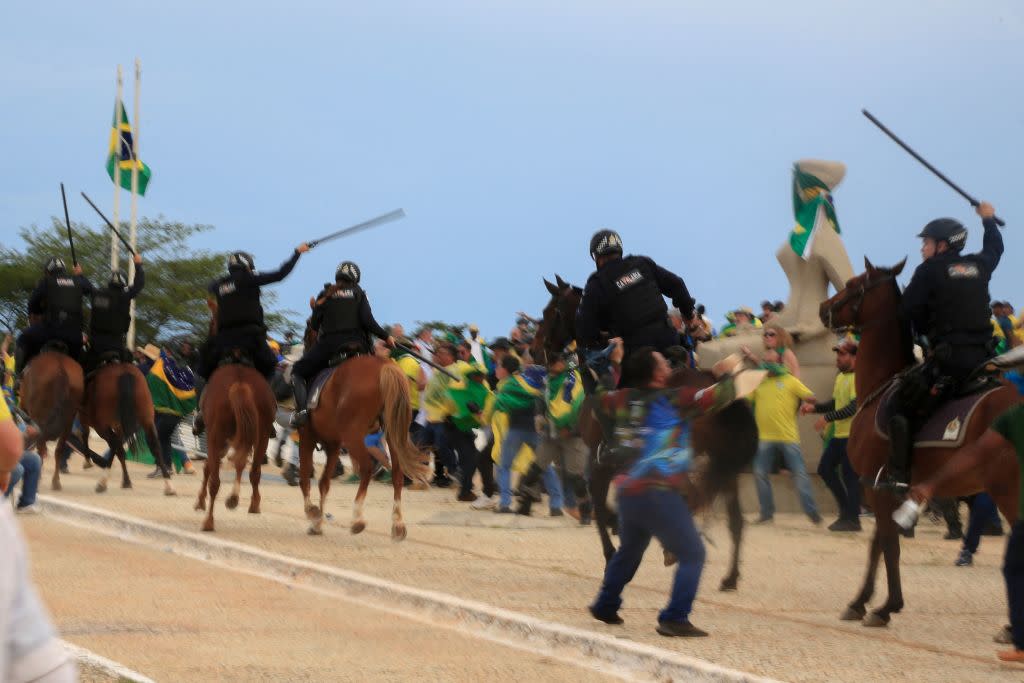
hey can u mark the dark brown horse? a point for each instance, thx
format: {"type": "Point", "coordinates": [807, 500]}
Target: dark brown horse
{"type": "Point", "coordinates": [870, 302]}
{"type": "Point", "coordinates": [728, 437]}
{"type": "Point", "coordinates": [117, 405]}
{"type": "Point", "coordinates": [362, 393]}
{"type": "Point", "coordinates": [51, 393]}
{"type": "Point", "coordinates": [239, 409]}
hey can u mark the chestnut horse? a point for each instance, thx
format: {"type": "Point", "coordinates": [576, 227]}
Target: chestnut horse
{"type": "Point", "coordinates": [51, 393]}
{"type": "Point", "coordinates": [729, 436]}
{"type": "Point", "coordinates": [364, 391]}
{"type": "Point", "coordinates": [239, 409]}
{"type": "Point", "coordinates": [117, 405]}
{"type": "Point", "coordinates": [870, 302]}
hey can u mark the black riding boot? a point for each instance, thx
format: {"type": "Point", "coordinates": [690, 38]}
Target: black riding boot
{"type": "Point", "coordinates": [528, 493]}
{"type": "Point", "coordinates": [301, 415]}
{"type": "Point", "coordinates": [901, 443]}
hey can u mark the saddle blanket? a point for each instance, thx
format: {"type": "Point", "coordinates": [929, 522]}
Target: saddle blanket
{"type": "Point", "coordinates": [945, 428]}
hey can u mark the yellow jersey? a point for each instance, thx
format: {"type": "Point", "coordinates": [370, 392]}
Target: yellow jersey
{"type": "Point", "coordinates": [776, 403]}
{"type": "Point", "coordinates": [844, 392]}
{"type": "Point", "coordinates": [411, 368]}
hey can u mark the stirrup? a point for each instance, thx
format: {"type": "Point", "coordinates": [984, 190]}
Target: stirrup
{"type": "Point", "coordinates": [889, 483]}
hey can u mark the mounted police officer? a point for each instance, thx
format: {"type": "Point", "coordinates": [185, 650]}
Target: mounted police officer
{"type": "Point", "coordinates": [344, 322]}
{"type": "Point", "coordinates": [624, 297]}
{"type": "Point", "coordinates": [240, 316]}
{"type": "Point", "coordinates": [947, 302]}
{"type": "Point", "coordinates": [111, 316]}
{"type": "Point", "coordinates": [57, 300]}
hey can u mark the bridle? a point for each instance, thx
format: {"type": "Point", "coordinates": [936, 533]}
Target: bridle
{"type": "Point", "coordinates": [558, 323]}
{"type": "Point", "coordinates": [857, 295]}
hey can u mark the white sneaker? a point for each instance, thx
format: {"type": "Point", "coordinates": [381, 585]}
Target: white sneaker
{"type": "Point", "coordinates": [32, 509]}
{"type": "Point", "coordinates": [484, 503]}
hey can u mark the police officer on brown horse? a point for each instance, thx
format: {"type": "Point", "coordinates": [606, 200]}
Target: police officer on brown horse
{"type": "Point", "coordinates": [111, 316]}
{"type": "Point", "coordinates": [57, 301]}
{"type": "Point", "coordinates": [625, 297]}
{"type": "Point", "coordinates": [344, 322]}
{"type": "Point", "coordinates": [240, 316]}
{"type": "Point", "coordinates": [947, 303]}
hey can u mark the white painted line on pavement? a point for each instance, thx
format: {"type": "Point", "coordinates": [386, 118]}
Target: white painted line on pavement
{"type": "Point", "coordinates": [578, 646]}
{"type": "Point", "coordinates": [96, 661]}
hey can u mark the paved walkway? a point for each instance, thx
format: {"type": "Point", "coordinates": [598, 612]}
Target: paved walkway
{"type": "Point", "coordinates": [782, 623]}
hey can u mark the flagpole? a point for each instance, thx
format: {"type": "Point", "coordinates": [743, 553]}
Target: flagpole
{"type": "Point", "coordinates": [114, 255]}
{"type": "Point", "coordinates": [135, 199]}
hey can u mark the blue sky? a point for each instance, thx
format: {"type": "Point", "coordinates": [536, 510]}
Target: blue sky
{"type": "Point", "coordinates": [510, 131]}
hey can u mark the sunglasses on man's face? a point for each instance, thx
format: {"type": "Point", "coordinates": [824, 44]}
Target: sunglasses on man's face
{"type": "Point", "coordinates": [769, 334]}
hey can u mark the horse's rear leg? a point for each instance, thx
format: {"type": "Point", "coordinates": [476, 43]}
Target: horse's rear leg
{"type": "Point", "coordinates": [236, 487]}
{"type": "Point", "coordinates": [213, 465]}
{"type": "Point", "coordinates": [730, 581]}
{"type": "Point", "coordinates": [398, 531]}
{"type": "Point", "coordinates": [58, 452]}
{"type": "Point", "coordinates": [362, 461]}
{"type": "Point", "coordinates": [126, 481]}
{"type": "Point", "coordinates": [254, 475]}
{"type": "Point", "coordinates": [201, 500]}
{"type": "Point", "coordinates": [600, 480]}
{"type": "Point", "coordinates": [105, 467]}
{"type": "Point", "coordinates": [306, 445]}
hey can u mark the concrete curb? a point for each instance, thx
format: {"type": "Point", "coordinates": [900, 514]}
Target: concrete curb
{"type": "Point", "coordinates": [566, 642]}
{"type": "Point", "coordinates": [89, 658]}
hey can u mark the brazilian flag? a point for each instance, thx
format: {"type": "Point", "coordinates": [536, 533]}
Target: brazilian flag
{"type": "Point", "coordinates": [122, 153]}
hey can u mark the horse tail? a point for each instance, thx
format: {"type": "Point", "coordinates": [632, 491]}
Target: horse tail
{"type": "Point", "coordinates": [126, 413]}
{"type": "Point", "coordinates": [57, 419]}
{"type": "Point", "coordinates": [246, 420]}
{"type": "Point", "coordinates": [394, 391]}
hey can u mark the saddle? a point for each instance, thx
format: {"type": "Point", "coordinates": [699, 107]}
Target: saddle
{"type": "Point", "coordinates": [55, 345]}
{"type": "Point", "coordinates": [236, 356]}
{"type": "Point", "coordinates": [318, 383]}
{"type": "Point", "coordinates": [946, 427]}
{"type": "Point", "coordinates": [112, 357]}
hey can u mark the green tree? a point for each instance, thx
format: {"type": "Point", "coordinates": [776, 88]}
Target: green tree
{"type": "Point", "coordinates": [173, 303]}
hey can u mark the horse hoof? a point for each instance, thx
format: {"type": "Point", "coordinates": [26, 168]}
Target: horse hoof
{"type": "Point", "coordinates": [126, 484]}
{"type": "Point", "coordinates": [315, 531]}
{"type": "Point", "coordinates": [398, 532]}
{"type": "Point", "coordinates": [200, 506]}
{"type": "Point", "coordinates": [231, 503]}
{"type": "Point", "coordinates": [852, 614]}
{"type": "Point", "coordinates": [101, 487]}
{"type": "Point", "coordinates": [875, 620]}
{"type": "Point", "coordinates": [357, 527]}
{"type": "Point", "coordinates": [728, 584]}
{"type": "Point", "coordinates": [170, 492]}
{"type": "Point", "coordinates": [56, 486]}
{"type": "Point", "coordinates": [312, 513]}
{"type": "Point", "coordinates": [254, 509]}
{"type": "Point", "coordinates": [208, 526]}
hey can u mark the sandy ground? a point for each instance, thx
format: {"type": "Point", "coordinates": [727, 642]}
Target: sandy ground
{"type": "Point", "coordinates": [157, 612]}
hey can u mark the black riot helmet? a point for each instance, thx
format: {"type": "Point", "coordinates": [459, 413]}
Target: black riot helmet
{"type": "Point", "coordinates": [948, 230]}
{"type": "Point", "coordinates": [347, 270]}
{"type": "Point", "coordinates": [54, 266]}
{"type": "Point", "coordinates": [117, 280]}
{"type": "Point", "coordinates": [605, 242]}
{"type": "Point", "coordinates": [241, 260]}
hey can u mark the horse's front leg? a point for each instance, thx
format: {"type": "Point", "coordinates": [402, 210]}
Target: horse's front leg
{"type": "Point", "coordinates": [731, 580]}
{"type": "Point", "coordinates": [600, 480]}
{"type": "Point", "coordinates": [856, 610]}
{"type": "Point", "coordinates": [889, 540]}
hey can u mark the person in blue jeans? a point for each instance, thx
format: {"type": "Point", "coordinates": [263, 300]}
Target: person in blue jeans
{"type": "Point", "coordinates": [647, 431]}
{"type": "Point", "coordinates": [983, 512]}
{"type": "Point", "coordinates": [27, 471]}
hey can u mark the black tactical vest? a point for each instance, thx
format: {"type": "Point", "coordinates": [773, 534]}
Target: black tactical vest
{"type": "Point", "coordinates": [237, 306]}
{"type": "Point", "coordinates": [111, 312]}
{"type": "Point", "coordinates": [63, 300]}
{"type": "Point", "coordinates": [634, 299]}
{"type": "Point", "coordinates": [341, 310]}
{"type": "Point", "coordinates": [960, 312]}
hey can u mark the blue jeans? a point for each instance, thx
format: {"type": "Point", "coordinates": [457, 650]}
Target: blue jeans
{"type": "Point", "coordinates": [664, 515]}
{"type": "Point", "coordinates": [794, 460]}
{"type": "Point", "coordinates": [514, 440]}
{"type": "Point", "coordinates": [444, 456]}
{"type": "Point", "coordinates": [837, 473]}
{"type": "Point", "coordinates": [1013, 573]}
{"type": "Point", "coordinates": [983, 511]}
{"type": "Point", "coordinates": [29, 468]}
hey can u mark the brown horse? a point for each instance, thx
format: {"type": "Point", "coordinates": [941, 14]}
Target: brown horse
{"type": "Point", "coordinates": [729, 437]}
{"type": "Point", "coordinates": [363, 392]}
{"type": "Point", "coordinates": [239, 409]}
{"type": "Point", "coordinates": [51, 393]}
{"type": "Point", "coordinates": [870, 302]}
{"type": "Point", "coordinates": [117, 405]}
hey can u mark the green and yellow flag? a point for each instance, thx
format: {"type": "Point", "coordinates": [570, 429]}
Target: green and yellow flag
{"type": "Point", "coordinates": [122, 153]}
{"type": "Point", "coordinates": [813, 210]}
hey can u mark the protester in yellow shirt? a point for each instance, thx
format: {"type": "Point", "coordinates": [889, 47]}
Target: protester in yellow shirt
{"type": "Point", "coordinates": [776, 403]}
{"type": "Point", "coordinates": [836, 417]}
